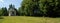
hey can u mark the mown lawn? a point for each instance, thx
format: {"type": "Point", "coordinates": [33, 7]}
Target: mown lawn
{"type": "Point", "coordinates": [25, 19]}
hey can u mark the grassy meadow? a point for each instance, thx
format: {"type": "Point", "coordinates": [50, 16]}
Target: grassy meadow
{"type": "Point", "coordinates": [26, 19]}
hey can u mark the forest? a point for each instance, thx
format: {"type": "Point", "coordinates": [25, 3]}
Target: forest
{"type": "Point", "coordinates": [36, 8]}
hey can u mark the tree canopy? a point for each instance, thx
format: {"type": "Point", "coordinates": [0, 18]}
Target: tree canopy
{"type": "Point", "coordinates": [40, 7]}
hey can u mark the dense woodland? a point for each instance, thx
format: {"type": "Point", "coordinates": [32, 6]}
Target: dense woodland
{"type": "Point", "coordinates": [39, 8]}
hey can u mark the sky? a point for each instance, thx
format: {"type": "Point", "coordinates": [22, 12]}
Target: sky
{"type": "Point", "coordinates": [6, 3]}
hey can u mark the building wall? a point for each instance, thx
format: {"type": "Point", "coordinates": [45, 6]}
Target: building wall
{"type": "Point", "coordinates": [12, 12]}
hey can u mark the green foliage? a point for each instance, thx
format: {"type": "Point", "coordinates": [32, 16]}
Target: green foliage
{"type": "Point", "coordinates": [42, 7]}
{"type": "Point", "coordinates": [3, 11]}
{"type": "Point", "coordinates": [29, 6]}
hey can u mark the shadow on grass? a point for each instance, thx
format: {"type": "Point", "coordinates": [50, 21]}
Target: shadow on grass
{"type": "Point", "coordinates": [1, 17]}
{"type": "Point", "coordinates": [44, 16]}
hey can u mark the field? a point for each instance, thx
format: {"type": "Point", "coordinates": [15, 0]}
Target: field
{"type": "Point", "coordinates": [26, 19]}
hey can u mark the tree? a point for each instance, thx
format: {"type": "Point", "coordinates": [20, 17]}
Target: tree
{"type": "Point", "coordinates": [49, 8]}
{"type": "Point", "coordinates": [57, 9]}
{"type": "Point", "coordinates": [4, 11]}
{"type": "Point", "coordinates": [30, 7]}
{"type": "Point", "coordinates": [0, 12]}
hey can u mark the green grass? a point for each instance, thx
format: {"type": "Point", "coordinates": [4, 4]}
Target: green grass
{"type": "Point", "coordinates": [1, 20]}
{"type": "Point", "coordinates": [25, 19]}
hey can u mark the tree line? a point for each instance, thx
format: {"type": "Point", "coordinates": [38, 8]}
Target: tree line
{"type": "Point", "coordinates": [47, 8]}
